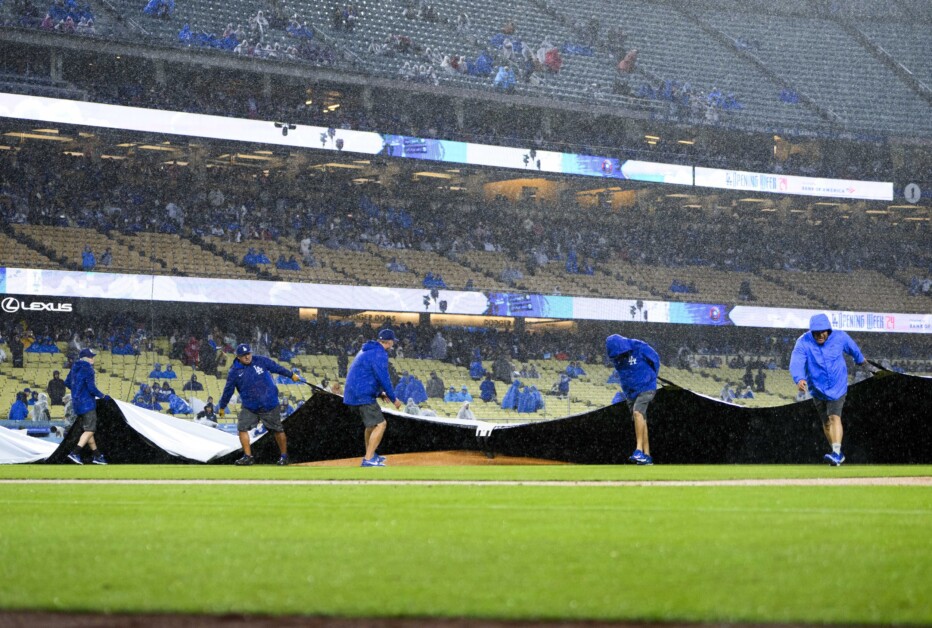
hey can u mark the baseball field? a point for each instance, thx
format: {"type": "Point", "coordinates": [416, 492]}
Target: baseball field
{"type": "Point", "coordinates": [737, 544]}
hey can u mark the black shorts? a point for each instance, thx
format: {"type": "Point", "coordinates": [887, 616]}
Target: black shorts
{"type": "Point", "coordinates": [370, 414]}
{"type": "Point", "coordinates": [640, 403]}
{"type": "Point", "coordinates": [827, 408]}
{"type": "Point", "coordinates": [87, 421]}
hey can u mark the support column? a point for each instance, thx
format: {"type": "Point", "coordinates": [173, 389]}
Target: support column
{"type": "Point", "coordinates": [56, 65]}
{"type": "Point", "coordinates": [459, 110]}
{"type": "Point", "coordinates": [160, 75]}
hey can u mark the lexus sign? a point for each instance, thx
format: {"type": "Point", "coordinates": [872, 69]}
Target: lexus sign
{"type": "Point", "coordinates": [12, 305]}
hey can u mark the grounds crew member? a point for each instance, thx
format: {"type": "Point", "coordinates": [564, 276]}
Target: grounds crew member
{"type": "Point", "coordinates": [84, 396]}
{"type": "Point", "coordinates": [251, 376]}
{"type": "Point", "coordinates": [638, 365]}
{"type": "Point", "coordinates": [818, 366]}
{"type": "Point", "coordinates": [367, 380]}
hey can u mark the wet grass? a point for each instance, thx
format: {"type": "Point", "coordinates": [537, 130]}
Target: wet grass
{"type": "Point", "coordinates": [841, 554]}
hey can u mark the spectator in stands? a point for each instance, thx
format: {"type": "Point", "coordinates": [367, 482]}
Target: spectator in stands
{"type": "Point", "coordinates": [368, 379]}
{"type": "Point", "coordinates": [396, 267]}
{"type": "Point", "coordinates": [84, 395]}
{"type": "Point", "coordinates": [435, 387]}
{"type": "Point", "coordinates": [727, 394]}
{"type": "Point", "coordinates": [487, 390]}
{"type": "Point", "coordinates": [476, 370]}
{"type": "Point", "coordinates": [156, 372]}
{"type": "Point", "coordinates": [504, 79]}
{"type": "Point", "coordinates": [628, 63]}
{"type": "Point", "coordinates": [759, 380]}
{"type": "Point", "coordinates": [438, 347]}
{"type": "Point", "coordinates": [107, 258]}
{"type": "Point", "coordinates": [411, 407]}
{"type": "Point", "coordinates": [258, 27]}
{"type": "Point", "coordinates": [40, 411]}
{"type": "Point", "coordinates": [251, 376]}
{"type": "Point", "coordinates": [818, 367]}
{"type": "Point", "coordinates": [193, 385]}
{"type": "Point", "coordinates": [747, 393]}
{"type": "Point", "coordinates": [464, 394]}
{"type": "Point", "coordinates": [502, 369]}
{"type": "Point", "coordinates": [207, 358]}
{"type": "Point", "coordinates": [637, 364]}
{"type": "Point", "coordinates": [744, 292]}
{"type": "Point", "coordinates": [452, 396]}
{"type": "Point", "coordinates": [19, 410]}
{"type": "Point", "coordinates": [56, 389]}
{"type": "Point", "coordinates": [465, 414]}
{"type": "Point", "coordinates": [207, 415]}
{"type": "Point", "coordinates": [510, 400]}
{"type": "Point", "coordinates": [191, 352]}
{"type": "Point", "coordinates": [88, 260]}
{"type": "Point", "coordinates": [562, 387]}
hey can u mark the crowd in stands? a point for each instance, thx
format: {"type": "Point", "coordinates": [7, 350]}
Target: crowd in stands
{"type": "Point", "coordinates": [106, 196]}
{"type": "Point", "coordinates": [200, 343]}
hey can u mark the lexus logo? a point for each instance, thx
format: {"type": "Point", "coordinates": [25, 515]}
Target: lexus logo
{"type": "Point", "coordinates": [12, 305]}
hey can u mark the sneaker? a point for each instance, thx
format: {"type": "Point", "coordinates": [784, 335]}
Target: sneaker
{"type": "Point", "coordinates": [99, 459]}
{"type": "Point", "coordinates": [645, 460]}
{"type": "Point", "coordinates": [834, 459]}
{"type": "Point", "coordinates": [245, 461]}
{"type": "Point", "coordinates": [283, 461]}
{"type": "Point", "coordinates": [636, 456]}
{"type": "Point", "coordinates": [380, 458]}
{"type": "Point", "coordinates": [75, 458]}
{"type": "Point", "coordinates": [372, 462]}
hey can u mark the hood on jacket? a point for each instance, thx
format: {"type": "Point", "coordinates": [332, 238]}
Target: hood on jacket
{"type": "Point", "coordinates": [820, 322]}
{"type": "Point", "coordinates": [616, 345]}
{"type": "Point", "coordinates": [371, 345]}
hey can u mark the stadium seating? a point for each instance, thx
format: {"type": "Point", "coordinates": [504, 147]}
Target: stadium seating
{"type": "Point", "coordinates": [794, 44]}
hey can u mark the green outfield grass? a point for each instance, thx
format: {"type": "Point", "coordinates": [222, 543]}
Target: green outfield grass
{"type": "Point", "coordinates": [856, 554]}
{"type": "Point", "coordinates": [478, 473]}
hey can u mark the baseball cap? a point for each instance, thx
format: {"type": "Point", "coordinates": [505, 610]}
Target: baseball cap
{"type": "Point", "coordinates": [87, 353]}
{"type": "Point", "coordinates": [386, 334]}
{"type": "Point", "coordinates": [243, 349]}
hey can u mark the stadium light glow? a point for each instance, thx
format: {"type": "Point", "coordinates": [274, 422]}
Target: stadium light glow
{"type": "Point", "coordinates": [38, 136]}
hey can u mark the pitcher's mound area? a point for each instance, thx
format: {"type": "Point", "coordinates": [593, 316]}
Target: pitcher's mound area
{"type": "Point", "coordinates": [438, 459]}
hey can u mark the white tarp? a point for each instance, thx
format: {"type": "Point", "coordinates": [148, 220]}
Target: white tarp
{"type": "Point", "coordinates": [16, 447]}
{"type": "Point", "coordinates": [181, 437]}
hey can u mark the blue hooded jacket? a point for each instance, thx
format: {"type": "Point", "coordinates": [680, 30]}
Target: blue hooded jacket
{"type": "Point", "coordinates": [368, 376]}
{"type": "Point", "coordinates": [487, 390]}
{"type": "Point", "coordinates": [510, 400]}
{"type": "Point", "coordinates": [636, 362]}
{"type": "Point", "coordinates": [18, 411]}
{"type": "Point", "coordinates": [823, 366]}
{"type": "Point", "coordinates": [84, 391]}
{"type": "Point", "coordinates": [415, 390]}
{"type": "Point", "coordinates": [256, 387]}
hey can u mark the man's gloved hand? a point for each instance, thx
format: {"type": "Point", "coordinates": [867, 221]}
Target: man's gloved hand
{"type": "Point", "coordinates": [870, 368]}
{"type": "Point", "coordinates": [221, 412]}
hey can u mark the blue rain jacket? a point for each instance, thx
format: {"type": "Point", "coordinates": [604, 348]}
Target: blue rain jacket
{"type": "Point", "coordinates": [823, 366]}
{"type": "Point", "coordinates": [257, 389]}
{"type": "Point", "coordinates": [636, 362]}
{"type": "Point", "coordinates": [368, 376]}
{"type": "Point", "coordinates": [84, 391]}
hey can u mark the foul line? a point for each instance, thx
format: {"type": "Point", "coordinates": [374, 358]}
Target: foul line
{"type": "Point", "coordinates": [881, 481]}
